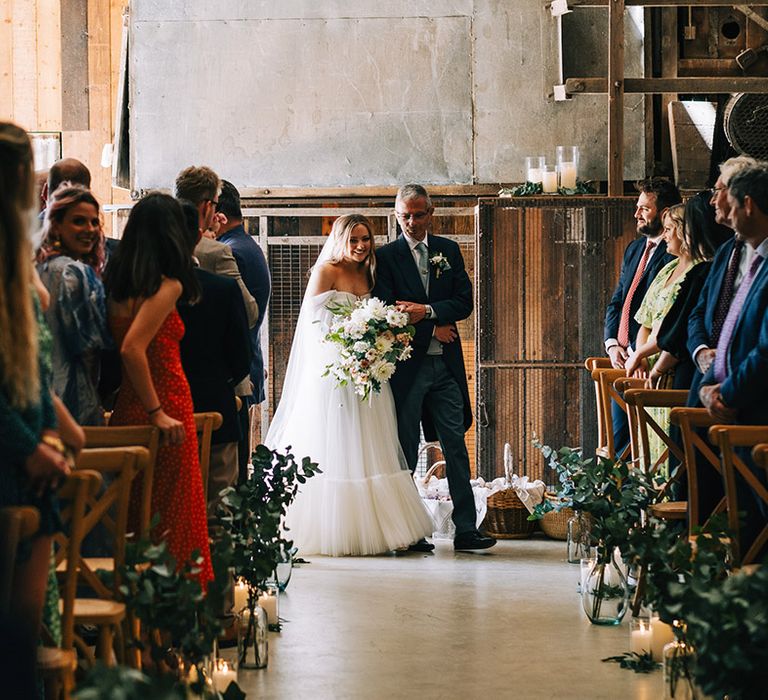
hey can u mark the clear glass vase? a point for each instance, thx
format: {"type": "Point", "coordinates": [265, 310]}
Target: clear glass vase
{"type": "Point", "coordinates": [604, 592]}
{"type": "Point", "coordinates": [252, 644]}
{"type": "Point", "coordinates": [284, 569]}
{"type": "Point", "coordinates": [577, 540]}
{"type": "Point", "coordinates": [678, 666]}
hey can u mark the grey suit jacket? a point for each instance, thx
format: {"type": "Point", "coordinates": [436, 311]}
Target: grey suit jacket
{"type": "Point", "coordinates": [217, 257]}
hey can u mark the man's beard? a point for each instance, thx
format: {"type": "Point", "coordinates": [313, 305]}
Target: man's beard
{"type": "Point", "coordinates": [650, 230]}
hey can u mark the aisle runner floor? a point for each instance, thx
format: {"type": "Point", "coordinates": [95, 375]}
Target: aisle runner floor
{"type": "Point", "coordinates": [506, 624]}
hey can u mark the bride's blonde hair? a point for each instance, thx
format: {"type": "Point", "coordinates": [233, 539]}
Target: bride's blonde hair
{"type": "Point", "coordinates": [340, 233]}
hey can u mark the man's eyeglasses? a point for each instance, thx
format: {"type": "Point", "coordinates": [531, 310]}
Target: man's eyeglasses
{"type": "Point", "coordinates": [715, 190]}
{"type": "Point", "coordinates": [418, 216]}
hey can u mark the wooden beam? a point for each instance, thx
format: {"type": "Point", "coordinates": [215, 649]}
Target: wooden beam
{"type": "Point", "coordinates": [74, 65]}
{"type": "Point", "coordinates": [658, 3]}
{"type": "Point", "coordinates": [388, 192]}
{"type": "Point", "coordinates": [615, 85]}
{"type": "Point", "coordinates": [669, 51]}
{"type": "Point", "coordinates": [697, 85]}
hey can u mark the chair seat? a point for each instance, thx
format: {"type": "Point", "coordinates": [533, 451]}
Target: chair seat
{"type": "Point", "coordinates": [94, 564]}
{"type": "Point", "coordinates": [670, 510]}
{"type": "Point", "coordinates": [52, 659]}
{"type": "Point", "coordinates": [94, 611]}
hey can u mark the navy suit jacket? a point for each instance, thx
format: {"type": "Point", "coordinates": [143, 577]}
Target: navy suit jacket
{"type": "Point", "coordinates": [632, 255]}
{"type": "Point", "coordinates": [700, 319]}
{"type": "Point", "coordinates": [450, 296]}
{"type": "Point", "coordinates": [216, 349]}
{"type": "Point", "coordinates": [255, 273]}
{"type": "Point", "coordinates": [746, 386]}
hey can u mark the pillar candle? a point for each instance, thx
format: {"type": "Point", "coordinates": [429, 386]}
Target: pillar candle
{"type": "Point", "coordinates": [241, 595]}
{"type": "Point", "coordinates": [268, 601]}
{"type": "Point", "coordinates": [223, 675]}
{"type": "Point", "coordinates": [568, 175]}
{"type": "Point", "coordinates": [549, 181]}
{"type": "Point", "coordinates": [661, 634]}
{"type": "Point", "coordinates": [534, 175]}
{"type": "Point", "coordinates": [640, 638]}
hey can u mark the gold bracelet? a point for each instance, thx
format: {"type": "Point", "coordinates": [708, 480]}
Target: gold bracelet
{"type": "Point", "coordinates": [54, 442]}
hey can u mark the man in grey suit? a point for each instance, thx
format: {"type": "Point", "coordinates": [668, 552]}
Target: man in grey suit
{"type": "Point", "coordinates": [201, 185]}
{"type": "Point", "coordinates": [425, 275]}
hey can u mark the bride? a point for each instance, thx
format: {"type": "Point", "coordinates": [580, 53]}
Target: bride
{"type": "Point", "coordinates": [364, 502]}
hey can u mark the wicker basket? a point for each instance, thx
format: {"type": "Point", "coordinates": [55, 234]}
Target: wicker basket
{"type": "Point", "coordinates": [507, 517]}
{"type": "Point", "coordinates": [554, 524]}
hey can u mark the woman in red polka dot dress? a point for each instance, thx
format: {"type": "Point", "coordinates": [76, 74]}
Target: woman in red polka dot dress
{"type": "Point", "coordinates": [148, 274]}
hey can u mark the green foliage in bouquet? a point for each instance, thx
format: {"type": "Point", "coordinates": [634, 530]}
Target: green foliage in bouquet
{"type": "Point", "coordinates": [563, 462]}
{"type": "Point", "coordinates": [251, 516]}
{"type": "Point", "coordinates": [170, 599]}
{"type": "Point", "coordinates": [727, 624]}
{"type": "Point", "coordinates": [530, 189]}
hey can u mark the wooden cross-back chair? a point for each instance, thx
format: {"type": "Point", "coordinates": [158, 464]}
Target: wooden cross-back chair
{"type": "Point", "coordinates": [206, 424]}
{"type": "Point", "coordinates": [57, 665]}
{"type": "Point", "coordinates": [728, 437]}
{"type": "Point", "coordinates": [132, 436]}
{"type": "Point", "coordinates": [108, 508]}
{"type": "Point", "coordinates": [760, 455]}
{"type": "Point", "coordinates": [604, 376]}
{"type": "Point", "coordinates": [17, 523]}
{"type": "Point", "coordinates": [698, 454]}
{"type": "Point", "coordinates": [641, 425]}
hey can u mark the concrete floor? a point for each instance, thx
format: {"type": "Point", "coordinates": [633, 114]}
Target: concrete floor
{"type": "Point", "coordinates": [505, 624]}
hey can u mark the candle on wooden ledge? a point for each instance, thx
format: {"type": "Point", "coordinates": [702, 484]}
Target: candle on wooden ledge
{"type": "Point", "coordinates": [640, 637]}
{"type": "Point", "coordinates": [549, 180]}
{"type": "Point", "coordinates": [534, 167]}
{"type": "Point", "coordinates": [568, 176]}
{"type": "Point", "coordinates": [268, 601]}
{"type": "Point", "coordinates": [661, 635]}
{"type": "Point", "coordinates": [223, 674]}
{"type": "Point", "coordinates": [241, 595]}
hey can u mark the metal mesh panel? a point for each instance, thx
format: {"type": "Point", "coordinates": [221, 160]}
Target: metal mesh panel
{"type": "Point", "coordinates": [746, 124]}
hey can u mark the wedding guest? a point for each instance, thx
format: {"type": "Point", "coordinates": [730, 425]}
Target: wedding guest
{"type": "Point", "coordinates": [736, 384]}
{"type": "Point", "coordinates": [255, 271]}
{"type": "Point", "coordinates": [70, 261]}
{"type": "Point", "coordinates": [643, 259]}
{"type": "Point", "coordinates": [150, 273]}
{"type": "Point", "coordinates": [699, 236]}
{"type": "Point", "coordinates": [32, 461]}
{"type": "Point", "coordinates": [215, 355]}
{"type": "Point", "coordinates": [201, 185]}
{"type": "Point", "coordinates": [728, 269]}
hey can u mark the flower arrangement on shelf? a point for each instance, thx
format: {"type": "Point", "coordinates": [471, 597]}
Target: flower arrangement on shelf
{"type": "Point", "coordinates": [531, 189]}
{"type": "Point", "coordinates": [372, 337]}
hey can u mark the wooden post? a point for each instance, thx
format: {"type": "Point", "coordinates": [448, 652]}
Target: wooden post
{"type": "Point", "coordinates": [616, 98]}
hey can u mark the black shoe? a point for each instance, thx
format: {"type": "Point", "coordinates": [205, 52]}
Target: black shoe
{"type": "Point", "coordinates": [421, 546]}
{"type": "Point", "coordinates": [468, 541]}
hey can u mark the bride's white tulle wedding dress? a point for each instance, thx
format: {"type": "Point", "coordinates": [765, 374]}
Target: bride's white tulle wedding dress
{"type": "Point", "coordinates": [365, 501]}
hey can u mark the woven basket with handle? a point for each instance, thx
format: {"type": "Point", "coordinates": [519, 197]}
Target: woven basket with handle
{"type": "Point", "coordinates": [554, 524]}
{"type": "Point", "coordinates": [507, 516]}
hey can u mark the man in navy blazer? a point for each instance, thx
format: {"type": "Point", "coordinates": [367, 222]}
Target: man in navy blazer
{"type": "Point", "coordinates": [656, 196]}
{"type": "Point", "coordinates": [739, 394]}
{"type": "Point", "coordinates": [215, 355]}
{"type": "Point", "coordinates": [255, 273]}
{"type": "Point", "coordinates": [735, 387]}
{"type": "Point", "coordinates": [701, 341]}
{"type": "Point", "coordinates": [425, 275]}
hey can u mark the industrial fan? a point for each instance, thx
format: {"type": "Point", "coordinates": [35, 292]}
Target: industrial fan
{"type": "Point", "coordinates": [746, 124]}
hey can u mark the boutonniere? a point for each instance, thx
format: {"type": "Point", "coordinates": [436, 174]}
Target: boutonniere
{"type": "Point", "coordinates": [440, 263]}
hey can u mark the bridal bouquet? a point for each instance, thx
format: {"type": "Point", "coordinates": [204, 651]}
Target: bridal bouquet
{"type": "Point", "coordinates": [371, 338]}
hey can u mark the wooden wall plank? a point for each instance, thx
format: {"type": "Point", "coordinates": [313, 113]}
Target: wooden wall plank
{"type": "Point", "coordinates": [6, 60]}
{"type": "Point", "coordinates": [616, 98]}
{"type": "Point", "coordinates": [74, 65]}
{"type": "Point", "coordinates": [25, 64]}
{"type": "Point", "coordinates": [49, 65]}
